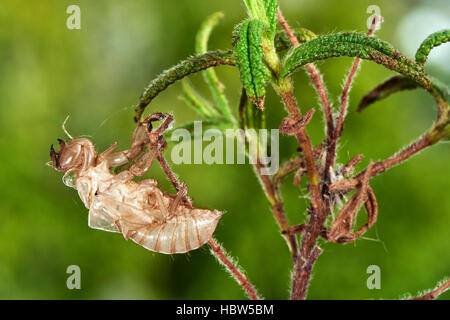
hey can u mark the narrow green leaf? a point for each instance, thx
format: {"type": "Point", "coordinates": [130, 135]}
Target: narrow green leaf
{"type": "Point", "coordinates": [256, 10]}
{"type": "Point", "coordinates": [204, 33]}
{"type": "Point", "coordinates": [197, 102]}
{"type": "Point", "coordinates": [249, 56]}
{"type": "Point", "coordinates": [210, 76]}
{"type": "Point", "coordinates": [252, 118]}
{"type": "Point", "coordinates": [181, 70]}
{"type": "Point", "coordinates": [354, 45]}
{"type": "Point", "coordinates": [264, 11]}
{"type": "Point", "coordinates": [207, 124]}
{"type": "Point", "coordinates": [433, 40]}
{"type": "Point", "coordinates": [271, 7]}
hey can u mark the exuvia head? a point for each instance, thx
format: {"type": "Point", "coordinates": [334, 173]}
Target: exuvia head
{"type": "Point", "coordinates": [77, 155]}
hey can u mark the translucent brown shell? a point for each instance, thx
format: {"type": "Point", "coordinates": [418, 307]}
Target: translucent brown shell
{"type": "Point", "coordinates": [188, 230]}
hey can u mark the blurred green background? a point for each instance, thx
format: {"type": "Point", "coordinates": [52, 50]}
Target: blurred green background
{"type": "Point", "coordinates": [96, 75]}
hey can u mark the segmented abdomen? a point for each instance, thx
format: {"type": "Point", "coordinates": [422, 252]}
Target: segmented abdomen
{"type": "Point", "coordinates": [189, 229]}
{"type": "Point", "coordinates": [181, 234]}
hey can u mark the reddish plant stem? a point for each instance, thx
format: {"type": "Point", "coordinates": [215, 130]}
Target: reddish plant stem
{"type": "Point", "coordinates": [286, 168]}
{"type": "Point", "coordinates": [173, 178]}
{"type": "Point", "coordinates": [344, 96]}
{"type": "Point", "coordinates": [333, 141]}
{"type": "Point", "coordinates": [303, 264]}
{"type": "Point", "coordinates": [435, 293]}
{"type": "Point", "coordinates": [216, 249]}
{"type": "Point", "coordinates": [350, 166]}
{"type": "Point", "coordinates": [292, 38]}
{"type": "Point", "coordinates": [427, 140]}
{"type": "Point", "coordinates": [272, 192]}
{"type": "Point", "coordinates": [308, 253]}
{"type": "Point", "coordinates": [305, 143]}
{"type": "Point", "coordinates": [304, 276]}
{"type": "Point", "coordinates": [381, 166]}
{"type": "Point", "coordinates": [165, 166]}
{"type": "Point", "coordinates": [313, 74]}
{"type": "Point", "coordinates": [334, 138]}
{"type": "Point", "coordinates": [276, 204]}
{"type": "Point", "coordinates": [240, 278]}
{"type": "Point", "coordinates": [318, 83]}
{"type": "Point", "coordinates": [303, 267]}
{"type": "Point", "coordinates": [408, 152]}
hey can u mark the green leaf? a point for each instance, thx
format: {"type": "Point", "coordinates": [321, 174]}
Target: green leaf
{"type": "Point", "coordinates": [354, 45]}
{"type": "Point", "coordinates": [251, 120]}
{"type": "Point", "coordinates": [271, 7]}
{"type": "Point", "coordinates": [433, 40]}
{"type": "Point", "coordinates": [256, 10]}
{"type": "Point", "coordinates": [207, 124]}
{"type": "Point", "coordinates": [210, 76]}
{"type": "Point", "coordinates": [221, 125]}
{"type": "Point", "coordinates": [249, 56]}
{"type": "Point", "coordinates": [303, 35]}
{"type": "Point", "coordinates": [197, 102]}
{"type": "Point", "coordinates": [204, 33]}
{"type": "Point", "coordinates": [181, 70]}
{"type": "Point", "coordinates": [384, 90]}
{"type": "Point", "coordinates": [250, 117]}
{"type": "Point", "coordinates": [264, 11]}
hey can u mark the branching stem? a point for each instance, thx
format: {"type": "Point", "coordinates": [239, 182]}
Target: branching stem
{"type": "Point", "coordinates": [318, 215]}
{"type": "Point", "coordinates": [308, 252]}
{"type": "Point", "coordinates": [271, 190]}
{"type": "Point", "coordinates": [313, 74]}
{"type": "Point", "coordinates": [381, 166]}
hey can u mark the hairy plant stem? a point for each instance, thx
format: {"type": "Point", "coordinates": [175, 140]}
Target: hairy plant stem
{"type": "Point", "coordinates": [302, 276]}
{"type": "Point", "coordinates": [381, 166]}
{"type": "Point", "coordinates": [276, 205]}
{"type": "Point", "coordinates": [414, 148]}
{"type": "Point", "coordinates": [320, 203]}
{"type": "Point", "coordinates": [240, 278]}
{"type": "Point", "coordinates": [433, 294]}
{"type": "Point", "coordinates": [320, 187]}
{"type": "Point", "coordinates": [313, 74]}
{"type": "Point", "coordinates": [308, 252]}
{"type": "Point", "coordinates": [334, 138]}
{"type": "Point", "coordinates": [306, 259]}
{"type": "Point", "coordinates": [270, 189]}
